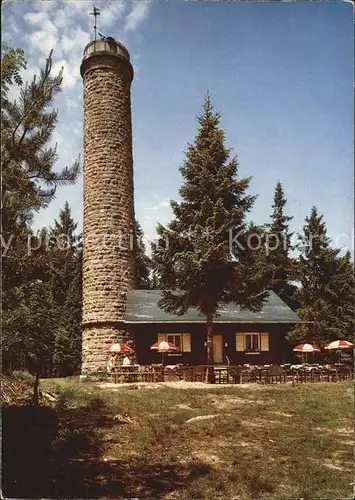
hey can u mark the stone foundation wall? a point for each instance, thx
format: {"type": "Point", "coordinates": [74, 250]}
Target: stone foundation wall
{"type": "Point", "coordinates": [95, 337]}
{"type": "Point", "coordinates": [108, 258]}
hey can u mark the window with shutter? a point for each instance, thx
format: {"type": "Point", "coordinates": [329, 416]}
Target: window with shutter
{"type": "Point", "coordinates": [162, 337]}
{"type": "Point", "coordinates": [264, 341]}
{"type": "Point", "coordinates": [181, 340]}
{"type": "Point", "coordinates": [186, 342]}
{"type": "Point", "coordinates": [251, 341]}
{"type": "Point", "coordinates": [239, 342]}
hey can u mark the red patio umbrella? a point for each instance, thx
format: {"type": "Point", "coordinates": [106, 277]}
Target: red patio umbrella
{"type": "Point", "coordinates": [118, 349]}
{"type": "Point", "coordinates": [306, 348]}
{"type": "Point", "coordinates": [163, 347]}
{"type": "Point", "coordinates": [338, 345]}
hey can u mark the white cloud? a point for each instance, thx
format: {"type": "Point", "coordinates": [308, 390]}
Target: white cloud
{"type": "Point", "coordinates": [27, 76]}
{"type": "Point", "coordinates": [45, 39]}
{"type": "Point", "coordinates": [159, 206]}
{"type": "Point", "coordinates": [61, 18]}
{"type": "Point", "coordinates": [66, 27]}
{"type": "Point", "coordinates": [110, 13]}
{"type": "Point", "coordinates": [43, 42]}
{"type": "Point", "coordinates": [68, 79]}
{"type": "Point", "coordinates": [75, 40]}
{"type": "Point", "coordinates": [45, 5]}
{"type": "Point", "coordinates": [137, 15]}
{"type": "Point", "coordinates": [11, 29]}
{"type": "Point", "coordinates": [149, 215]}
{"type": "Point", "coordinates": [71, 103]}
{"type": "Point", "coordinates": [36, 17]}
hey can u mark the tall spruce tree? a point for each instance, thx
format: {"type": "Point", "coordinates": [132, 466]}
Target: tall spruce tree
{"type": "Point", "coordinates": [345, 290]}
{"type": "Point", "coordinates": [197, 257]}
{"type": "Point", "coordinates": [143, 262]}
{"type": "Point", "coordinates": [327, 286]}
{"type": "Point", "coordinates": [65, 271]}
{"type": "Point", "coordinates": [278, 247]}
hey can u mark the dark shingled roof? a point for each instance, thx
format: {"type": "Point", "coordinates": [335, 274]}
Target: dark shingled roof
{"type": "Point", "coordinates": [142, 308]}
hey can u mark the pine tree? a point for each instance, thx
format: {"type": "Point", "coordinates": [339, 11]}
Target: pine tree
{"type": "Point", "coordinates": [344, 296]}
{"type": "Point", "coordinates": [197, 257]}
{"type": "Point", "coordinates": [65, 271]}
{"type": "Point", "coordinates": [327, 286]}
{"type": "Point", "coordinates": [29, 183]}
{"type": "Point", "coordinates": [278, 246]}
{"type": "Point", "coordinates": [143, 262]}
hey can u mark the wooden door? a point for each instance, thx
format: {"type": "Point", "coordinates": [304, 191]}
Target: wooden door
{"type": "Point", "coordinates": [218, 349]}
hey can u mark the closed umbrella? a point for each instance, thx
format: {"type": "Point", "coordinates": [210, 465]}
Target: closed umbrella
{"type": "Point", "coordinates": [163, 347]}
{"type": "Point", "coordinates": [306, 348]}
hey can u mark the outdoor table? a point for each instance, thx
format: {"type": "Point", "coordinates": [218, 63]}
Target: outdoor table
{"type": "Point", "coordinates": [186, 373]}
{"type": "Point", "coordinates": [126, 373]}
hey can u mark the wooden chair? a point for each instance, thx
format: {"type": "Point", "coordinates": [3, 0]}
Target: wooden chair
{"type": "Point", "coordinates": [344, 373]}
{"type": "Point", "coordinates": [186, 373]}
{"type": "Point", "coordinates": [246, 375]}
{"type": "Point", "coordinates": [199, 373]}
{"type": "Point", "coordinates": [276, 374]}
{"type": "Point", "coordinates": [171, 374]}
{"type": "Point", "coordinates": [234, 374]}
{"type": "Point", "coordinates": [158, 373]}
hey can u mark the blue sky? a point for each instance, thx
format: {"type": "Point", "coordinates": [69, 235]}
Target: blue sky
{"type": "Point", "coordinates": [280, 73]}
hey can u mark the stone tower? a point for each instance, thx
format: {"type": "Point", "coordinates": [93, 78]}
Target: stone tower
{"type": "Point", "coordinates": [108, 262]}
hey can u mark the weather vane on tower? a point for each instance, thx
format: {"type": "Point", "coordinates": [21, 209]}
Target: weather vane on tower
{"type": "Point", "coordinates": [95, 13]}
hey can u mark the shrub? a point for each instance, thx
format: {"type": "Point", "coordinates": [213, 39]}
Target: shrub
{"type": "Point", "coordinates": [23, 376]}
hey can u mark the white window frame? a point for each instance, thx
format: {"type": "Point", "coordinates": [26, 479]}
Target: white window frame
{"type": "Point", "coordinates": [256, 334]}
{"type": "Point", "coordinates": [185, 342]}
{"type": "Point", "coordinates": [181, 341]}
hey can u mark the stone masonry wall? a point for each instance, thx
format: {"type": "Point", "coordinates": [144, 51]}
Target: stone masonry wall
{"type": "Point", "coordinates": [95, 337]}
{"type": "Point", "coordinates": [108, 260]}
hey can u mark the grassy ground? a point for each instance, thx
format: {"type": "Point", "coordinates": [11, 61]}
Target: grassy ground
{"type": "Point", "coordinates": [267, 442]}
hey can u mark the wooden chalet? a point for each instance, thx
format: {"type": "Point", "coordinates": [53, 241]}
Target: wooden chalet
{"type": "Point", "coordinates": [239, 335]}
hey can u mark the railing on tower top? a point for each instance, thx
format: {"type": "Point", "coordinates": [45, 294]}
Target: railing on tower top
{"type": "Point", "coordinates": [106, 46]}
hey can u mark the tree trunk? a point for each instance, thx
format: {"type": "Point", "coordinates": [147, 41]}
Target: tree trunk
{"type": "Point", "coordinates": [209, 340]}
{"type": "Point", "coordinates": [36, 386]}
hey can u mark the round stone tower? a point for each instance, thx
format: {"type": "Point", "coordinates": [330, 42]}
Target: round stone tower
{"type": "Point", "coordinates": [108, 261]}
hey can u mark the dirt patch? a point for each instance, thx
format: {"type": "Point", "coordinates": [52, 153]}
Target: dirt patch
{"type": "Point", "coordinates": [201, 417]}
{"type": "Point", "coordinates": [347, 443]}
{"type": "Point", "coordinates": [345, 431]}
{"type": "Point", "coordinates": [332, 465]}
{"type": "Point", "coordinates": [281, 414]}
{"type": "Point", "coordinates": [251, 445]}
{"type": "Point", "coordinates": [182, 406]}
{"type": "Point", "coordinates": [207, 458]}
{"type": "Point", "coordinates": [223, 402]}
{"type": "Point", "coordinates": [178, 384]}
{"type": "Point", "coordinates": [125, 419]}
{"type": "Point", "coordinates": [260, 423]}
{"type": "Point", "coordinates": [335, 464]}
{"type": "Point", "coordinates": [342, 431]}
